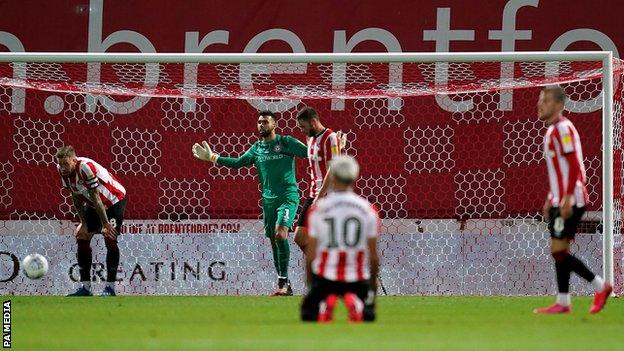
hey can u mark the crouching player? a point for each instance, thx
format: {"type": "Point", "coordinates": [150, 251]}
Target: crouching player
{"type": "Point", "coordinates": [341, 255]}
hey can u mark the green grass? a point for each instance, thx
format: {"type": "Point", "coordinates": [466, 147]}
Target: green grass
{"type": "Point", "coordinates": [264, 323]}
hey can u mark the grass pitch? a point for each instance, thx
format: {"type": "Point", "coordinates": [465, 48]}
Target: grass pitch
{"type": "Point", "coordinates": [265, 323]}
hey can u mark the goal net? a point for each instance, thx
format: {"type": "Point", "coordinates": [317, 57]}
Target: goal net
{"type": "Point", "coordinates": [449, 144]}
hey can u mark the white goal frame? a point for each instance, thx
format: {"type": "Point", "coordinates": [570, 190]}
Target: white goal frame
{"type": "Point", "coordinates": [606, 57]}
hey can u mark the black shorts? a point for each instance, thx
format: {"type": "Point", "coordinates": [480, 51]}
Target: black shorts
{"type": "Point", "coordinates": [303, 213]}
{"type": "Point", "coordinates": [115, 215]}
{"type": "Point", "coordinates": [560, 228]}
{"type": "Point", "coordinates": [320, 288]}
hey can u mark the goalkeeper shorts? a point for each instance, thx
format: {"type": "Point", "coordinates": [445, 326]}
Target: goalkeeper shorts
{"type": "Point", "coordinates": [279, 213]}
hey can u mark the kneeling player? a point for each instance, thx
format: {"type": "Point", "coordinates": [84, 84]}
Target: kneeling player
{"type": "Point", "coordinates": [100, 202]}
{"type": "Point", "coordinates": [341, 255]}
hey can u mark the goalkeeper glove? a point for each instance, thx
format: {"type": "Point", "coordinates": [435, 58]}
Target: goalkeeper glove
{"type": "Point", "coordinates": [204, 152]}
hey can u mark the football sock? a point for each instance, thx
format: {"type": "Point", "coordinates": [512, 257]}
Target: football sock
{"type": "Point", "coordinates": [563, 299]}
{"type": "Point", "coordinates": [275, 257]}
{"type": "Point", "coordinates": [577, 266]}
{"type": "Point", "coordinates": [562, 269]}
{"type": "Point", "coordinates": [598, 283]}
{"type": "Point", "coordinates": [85, 260]}
{"type": "Point", "coordinates": [112, 260]}
{"type": "Point", "coordinates": [283, 255]}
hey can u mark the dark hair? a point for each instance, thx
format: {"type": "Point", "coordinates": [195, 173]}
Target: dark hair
{"type": "Point", "coordinates": [307, 114]}
{"type": "Point", "coordinates": [65, 151]}
{"type": "Point", "coordinates": [557, 92]}
{"type": "Point", "coordinates": [267, 113]}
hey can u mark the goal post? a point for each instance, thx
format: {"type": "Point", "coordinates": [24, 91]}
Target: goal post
{"type": "Point", "coordinates": [607, 168]}
{"type": "Point", "coordinates": [458, 145]}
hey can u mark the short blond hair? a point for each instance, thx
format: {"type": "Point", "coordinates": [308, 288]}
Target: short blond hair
{"type": "Point", "coordinates": [65, 151]}
{"type": "Point", "coordinates": [345, 168]}
{"type": "Point", "coordinates": [557, 92]}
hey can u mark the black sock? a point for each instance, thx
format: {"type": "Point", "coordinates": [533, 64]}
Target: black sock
{"type": "Point", "coordinates": [577, 266]}
{"type": "Point", "coordinates": [85, 260]}
{"type": "Point", "coordinates": [562, 268]}
{"type": "Point", "coordinates": [281, 282]}
{"type": "Point", "coordinates": [112, 260]}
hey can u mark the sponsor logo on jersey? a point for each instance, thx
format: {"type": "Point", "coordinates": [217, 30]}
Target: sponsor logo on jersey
{"type": "Point", "coordinates": [566, 139]}
{"type": "Point", "coordinates": [277, 148]}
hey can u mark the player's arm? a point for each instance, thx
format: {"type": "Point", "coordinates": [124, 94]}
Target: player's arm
{"type": "Point", "coordinates": [373, 254]}
{"type": "Point", "coordinates": [310, 254]}
{"type": "Point", "coordinates": [204, 153]}
{"type": "Point", "coordinates": [374, 262]}
{"type": "Point", "coordinates": [91, 182]}
{"type": "Point", "coordinates": [108, 230]}
{"type": "Point", "coordinates": [547, 206]}
{"type": "Point", "coordinates": [569, 150]}
{"type": "Point", "coordinates": [79, 205]}
{"type": "Point", "coordinates": [296, 147]}
{"type": "Point", "coordinates": [310, 248]}
{"type": "Point", "coordinates": [337, 142]}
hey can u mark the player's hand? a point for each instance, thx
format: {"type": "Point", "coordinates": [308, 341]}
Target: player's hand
{"type": "Point", "coordinates": [81, 231]}
{"type": "Point", "coordinates": [546, 210]}
{"type": "Point", "coordinates": [566, 207]}
{"type": "Point", "coordinates": [371, 298]}
{"type": "Point", "coordinates": [109, 231]}
{"type": "Point", "coordinates": [204, 152]}
{"type": "Point", "coordinates": [342, 139]}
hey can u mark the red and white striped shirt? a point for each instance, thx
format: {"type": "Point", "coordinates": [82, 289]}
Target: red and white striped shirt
{"type": "Point", "coordinates": [564, 158]}
{"type": "Point", "coordinates": [321, 149]}
{"type": "Point", "coordinates": [91, 175]}
{"type": "Point", "coordinates": [342, 223]}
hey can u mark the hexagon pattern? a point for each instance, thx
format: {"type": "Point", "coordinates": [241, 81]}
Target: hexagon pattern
{"type": "Point", "coordinates": [136, 151]}
{"type": "Point", "coordinates": [454, 164]}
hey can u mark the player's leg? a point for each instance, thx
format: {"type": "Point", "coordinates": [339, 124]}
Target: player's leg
{"type": "Point", "coordinates": [84, 254]}
{"type": "Point", "coordinates": [562, 233]}
{"type": "Point", "coordinates": [115, 216]}
{"type": "Point", "coordinates": [270, 219]}
{"type": "Point", "coordinates": [602, 289]}
{"type": "Point", "coordinates": [285, 218]}
{"type": "Point", "coordinates": [559, 246]}
{"type": "Point", "coordinates": [300, 232]}
{"type": "Point", "coordinates": [360, 302]}
{"type": "Point", "coordinates": [366, 293]}
{"type": "Point", "coordinates": [314, 299]}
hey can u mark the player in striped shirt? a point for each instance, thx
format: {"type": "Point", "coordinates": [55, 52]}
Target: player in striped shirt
{"type": "Point", "coordinates": [566, 200]}
{"type": "Point", "coordinates": [100, 202]}
{"type": "Point", "coordinates": [341, 258]}
{"type": "Point", "coordinates": [323, 145]}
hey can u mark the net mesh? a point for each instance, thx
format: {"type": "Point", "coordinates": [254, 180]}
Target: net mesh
{"type": "Point", "coordinates": [450, 153]}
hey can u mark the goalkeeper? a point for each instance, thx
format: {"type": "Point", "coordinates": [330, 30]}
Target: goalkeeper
{"type": "Point", "coordinates": [273, 157]}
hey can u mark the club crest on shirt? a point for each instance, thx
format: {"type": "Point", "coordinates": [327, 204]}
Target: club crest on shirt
{"type": "Point", "coordinates": [277, 148]}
